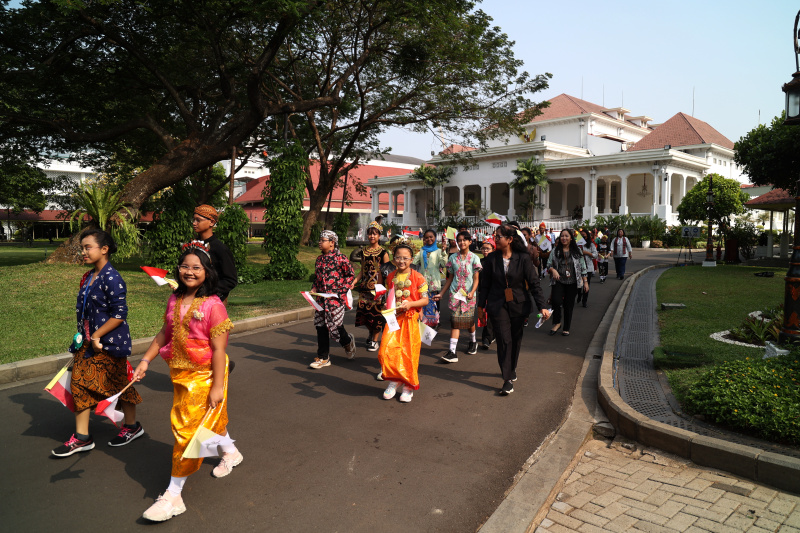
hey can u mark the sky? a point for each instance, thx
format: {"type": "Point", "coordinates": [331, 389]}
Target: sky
{"type": "Point", "coordinates": [651, 58]}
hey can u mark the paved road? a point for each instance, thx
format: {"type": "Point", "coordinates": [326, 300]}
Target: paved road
{"type": "Point", "coordinates": [322, 451]}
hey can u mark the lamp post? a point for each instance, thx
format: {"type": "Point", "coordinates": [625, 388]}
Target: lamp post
{"type": "Point", "coordinates": [790, 332]}
{"type": "Point", "coordinates": [709, 262]}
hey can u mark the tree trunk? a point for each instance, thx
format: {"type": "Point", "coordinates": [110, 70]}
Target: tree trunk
{"type": "Point", "coordinates": [316, 202]}
{"type": "Point", "coordinates": [68, 251]}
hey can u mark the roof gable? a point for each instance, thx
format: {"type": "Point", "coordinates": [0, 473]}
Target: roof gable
{"type": "Point", "coordinates": [682, 130]}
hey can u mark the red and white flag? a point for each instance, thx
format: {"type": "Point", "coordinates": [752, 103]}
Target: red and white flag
{"type": "Point", "coordinates": [348, 301]}
{"type": "Point", "coordinates": [495, 220]}
{"type": "Point", "coordinates": [61, 387]}
{"type": "Point", "coordinates": [310, 299]}
{"type": "Point", "coordinates": [159, 275]}
{"type": "Point", "coordinates": [380, 290]}
{"type": "Point", "coordinates": [409, 233]}
{"type": "Point", "coordinates": [390, 298]}
{"type": "Point", "coordinates": [108, 407]}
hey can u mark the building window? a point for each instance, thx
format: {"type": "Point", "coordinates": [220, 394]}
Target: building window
{"type": "Point", "coordinates": [601, 198]}
{"type": "Point", "coordinates": [500, 164]}
{"type": "Point", "coordinates": [614, 203]}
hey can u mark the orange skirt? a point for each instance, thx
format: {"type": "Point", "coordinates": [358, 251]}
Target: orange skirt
{"type": "Point", "coordinates": [399, 352]}
{"type": "Point", "coordinates": [189, 406]}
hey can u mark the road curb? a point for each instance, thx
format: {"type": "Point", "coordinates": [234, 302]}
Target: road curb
{"type": "Point", "coordinates": [780, 471]}
{"type": "Point", "coordinates": [50, 364]}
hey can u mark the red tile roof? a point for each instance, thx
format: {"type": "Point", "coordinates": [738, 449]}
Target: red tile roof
{"type": "Point", "coordinates": [682, 130]}
{"type": "Point", "coordinates": [456, 148]}
{"type": "Point", "coordinates": [54, 215]}
{"type": "Point", "coordinates": [775, 197]}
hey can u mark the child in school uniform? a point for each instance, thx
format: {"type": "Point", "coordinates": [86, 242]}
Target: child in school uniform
{"type": "Point", "coordinates": [193, 340]}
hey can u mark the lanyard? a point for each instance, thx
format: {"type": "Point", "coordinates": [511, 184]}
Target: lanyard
{"type": "Point", "coordinates": [85, 296]}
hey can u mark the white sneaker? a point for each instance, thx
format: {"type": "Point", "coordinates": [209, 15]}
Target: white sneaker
{"type": "Point", "coordinates": [390, 391]}
{"type": "Point", "coordinates": [226, 464]}
{"type": "Point", "coordinates": [407, 394]}
{"type": "Point", "coordinates": [320, 363]}
{"type": "Point", "coordinates": [166, 507]}
{"type": "Point", "coordinates": [379, 377]}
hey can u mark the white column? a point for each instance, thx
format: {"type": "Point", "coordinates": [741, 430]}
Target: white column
{"type": "Point", "coordinates": [682, 192]}
{"type": "Point", "coordinates": [656, 193]}
{"type": "Point", "coordinates": [461, 198]}
{"type": "Point", "coordinates": [607, 208]}
{"type": "Point", "coordinates": [375, 204]}
{"type": "Point", "coordinates": [564, 189]}
{"type": "Point", "coordinates": [511, 211]}
{"type": "Point", "coordinates": [770, 244]}
{"type": "Point", "coordinates": [623, 195]}
{"type": "Point", "coordinates": [487, 197]}
{"type": "Point", "coordinates": [593, 199]}
{"type": "Point", "coordinates": [587, 198]}
{"type": "Point", "coordinates": [392, 206]}
{"type": "Point", "coordinates": [406, 203]}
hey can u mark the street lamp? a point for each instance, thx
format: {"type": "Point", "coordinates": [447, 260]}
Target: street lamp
{"type": "Point", "coordinates": [792, 89]}
{"type": "Point", "coordinates": [709, 262]}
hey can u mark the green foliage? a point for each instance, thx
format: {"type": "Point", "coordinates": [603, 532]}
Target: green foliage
{"type": "Point", "coordinates": [316, 231]}
{"type": "Point", "coordinates": [341, 226]}
{"type": "Point", "coordinates": [761, 328]}
{"type": "Point", "coordinates": [770, 155]}
{"type": "Point", "coordinates": [171, 227]}
{"type": "Point", "coordinates": [283, 220]}
{"type": "Point", "coordinates": [232, 229]}
{"type": "Point", "coordinates": [23, 187]}
{"type": "Point", "coordinates": [729, 200]}
{"type": "Point", "coordinates": [107, 211]}
{"type": "Point", "coordinates": [747, 236]}
{"type": "Point", "coordinates": [760, 396]}
{"type": "Point", "coordinates": [530, 177]}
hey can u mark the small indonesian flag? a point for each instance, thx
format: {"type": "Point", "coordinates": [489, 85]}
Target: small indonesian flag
{"type": "Point", "coordinates": [451, 233]}
{"type": "Point", "coordinates": [108, 407]}
{"type": "Point", "coordinates": [204, 443]}
{"type": "Point", "coordinates": [348, 301]}
{"type": "Point", "coordinates": [159, 275]}
{"type": "Point", "coordinates": [426, 334]}
{"type": "Point", "coordinates": [495, 220]}
{"type": "Point", "coordinates": [310, 299]}
{"type": "Point", "coordinates": [409, 233]}
{"type": "Point", "coordinates": [390, 298]}
{"type": "Point", "coordinates": [379, 291]}
{"type": "Point", "coordinates": [61, 387]}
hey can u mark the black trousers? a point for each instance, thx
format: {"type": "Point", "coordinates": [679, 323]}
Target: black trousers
{"type": "Point", "coordinates": [583, 296]}
{"type": "Point", "coordinates": [508, 332]}
{"type": "Point", "coordinates": [324, 341]}
{"type": "Point", "coordinates": [564, 302]}
{"type": "Point", "coordinates": [488, 331]}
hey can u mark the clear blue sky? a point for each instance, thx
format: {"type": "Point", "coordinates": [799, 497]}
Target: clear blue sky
{"type": "Point", "coordinates": [736, 55]}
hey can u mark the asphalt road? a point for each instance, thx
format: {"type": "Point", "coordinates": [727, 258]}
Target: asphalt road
{"type": "Point", "coordinates": [322, 450]}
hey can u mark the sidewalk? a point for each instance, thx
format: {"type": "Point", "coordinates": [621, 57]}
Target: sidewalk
{"type": "Point", "coordinates": [622, 486]}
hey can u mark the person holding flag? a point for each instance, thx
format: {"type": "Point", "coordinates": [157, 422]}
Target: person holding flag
{"type": "Point", "coordinates": [193, 340]}
{"type": "Point", "coordinates": [333, 274]}
{"type": "Point", "coordinates": [101, 346]}
{"type": "Point", "coordinates": [432, 260]}
{"type": "Point", "coordinates": [370, 303]}
{"type": "Point", "coordinates": [401, 343]}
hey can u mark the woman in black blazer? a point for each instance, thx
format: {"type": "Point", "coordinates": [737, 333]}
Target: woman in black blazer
{"type": "Point", "coordinates": [507, 283]}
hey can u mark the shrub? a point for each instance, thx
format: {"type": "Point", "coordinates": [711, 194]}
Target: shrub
{"type": "Point", "coordinates": [760, 396]}
{"type": "Point", "coordinates": [316, 231]}
{"type": "Point", "coordinates": [760, 329]}
{"type": "Point", "coordinates": [341, 225]}
{"type": "Point", "coordinates": [232, 229]}
{"type": "Point", "coordinates": [656, 244]}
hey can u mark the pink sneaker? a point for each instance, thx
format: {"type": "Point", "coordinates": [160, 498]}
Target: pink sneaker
{"type": "Point", "coordinates": [166, 507]}
{"type": "Point", "coordinates": [226, 464]}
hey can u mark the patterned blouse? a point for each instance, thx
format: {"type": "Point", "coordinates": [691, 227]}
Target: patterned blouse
{"type": "Point", "coordinates": [463, 270]}
{"type": "Point", "coordinates": [189, 331]}
{"type": "Point", "coordinates": [332, 273]}
{"type": "Point", "coordinates": [106, 299]}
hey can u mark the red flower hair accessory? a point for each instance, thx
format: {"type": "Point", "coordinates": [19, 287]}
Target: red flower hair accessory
{"type": "Point", "coordinates": [198, 245]}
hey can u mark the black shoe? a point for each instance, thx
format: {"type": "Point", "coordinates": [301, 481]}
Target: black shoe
{"type": "Point", "coordinates": [450, 357]}
{"type": "Point", "coordinates": [507, 389]}
{"type": "Point", "coordinates": [585, 304]}
{"type": "Point", "coordinates": [486, 343]}
{"type": "Point", "coordinates": [73, 445]}
{"type": "Point", "coordinates": [472, 348]}
{"type": "Point", "coordinates": [350, 349]}
{"type": "Point", "coordinates": [372, 346]}
{"type": "Point", "coordinates": [126, 435]}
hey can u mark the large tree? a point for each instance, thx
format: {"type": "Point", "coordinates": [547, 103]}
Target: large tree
{"type": "Point", "coordinates": [770, 155]}
{"type": "Point", "coordinates": [729, 200]}
{"type": "Point", "coordinates": [175, 86]}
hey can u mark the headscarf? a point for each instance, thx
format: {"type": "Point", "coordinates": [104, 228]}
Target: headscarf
{"type": "Point", "coordinates": [331, 236]}
{"type": "Point", "coordinates": [207, 211]}
{"type": "Point", "coordinates": [428, 249]}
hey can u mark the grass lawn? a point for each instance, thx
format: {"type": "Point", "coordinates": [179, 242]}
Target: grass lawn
{"type": "Point", "coordinates": [716, 299]}
{"type": "Point", "coordinates": [37, 316]}
{"type": "Point", "coordinates": [13, 254]}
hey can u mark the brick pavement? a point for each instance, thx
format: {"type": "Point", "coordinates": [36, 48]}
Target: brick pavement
{"type": "Point", "coordinates": [622, 486]}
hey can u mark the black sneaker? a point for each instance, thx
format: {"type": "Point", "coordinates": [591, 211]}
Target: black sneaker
{"type": "Point", "coordinates": [507, 389]}
{"type": "Point", "coordinates": [73, 445]}
{"type": "Point", "coordinates": [126, 435]}
{"type": "Point", "coordinates": [472, 348]}
{"type": "Point", "coordinates": [372, 346]}
{"type": "Point", "coordinates": [525, 324]}
{"type": "Point", "coordinates": [450, 357]}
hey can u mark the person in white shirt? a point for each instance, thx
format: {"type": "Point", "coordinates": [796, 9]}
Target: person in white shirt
{"type": "Point", "coordinates": [621, 249]}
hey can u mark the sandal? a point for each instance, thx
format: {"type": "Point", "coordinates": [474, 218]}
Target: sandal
{"type": "Point", "coordinates": [554, 331]}
{"type": "Point", "coordinates": [565, 333]}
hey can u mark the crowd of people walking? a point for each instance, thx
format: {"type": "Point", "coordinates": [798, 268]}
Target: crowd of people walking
{"type": "Point", "coordinates": [400, 291]}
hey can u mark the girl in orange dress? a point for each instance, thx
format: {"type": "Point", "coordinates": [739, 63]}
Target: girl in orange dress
{"type": "Point", "coordinates": [399, 352]}
{"type": "Point", "coordinates": [193, 341]}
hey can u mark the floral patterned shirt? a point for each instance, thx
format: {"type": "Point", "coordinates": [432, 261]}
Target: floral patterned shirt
{"type": "Point", "coordinates": [463, 270]}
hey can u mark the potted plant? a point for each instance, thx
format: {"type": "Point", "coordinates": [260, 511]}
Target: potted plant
{"type": "Point", "coordinates": [645, 240]}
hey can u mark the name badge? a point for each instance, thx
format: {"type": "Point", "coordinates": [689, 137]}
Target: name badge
{"type": "Point", "coordinates": [509, 294]}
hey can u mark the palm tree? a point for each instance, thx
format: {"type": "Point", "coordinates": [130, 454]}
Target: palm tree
{"type": "Point", "coordinates": [107, 211]}
{"type": "Point", "coordinates": [530, 176]}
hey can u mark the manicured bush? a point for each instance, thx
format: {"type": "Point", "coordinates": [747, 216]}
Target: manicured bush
{"type": "Point", "coordinates": [758, 396]}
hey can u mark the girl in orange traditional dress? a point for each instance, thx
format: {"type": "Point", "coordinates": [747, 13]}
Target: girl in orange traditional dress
{"type": "Point", "coordinates": [193, 341]}
{"type": "Point", "coordinates": [399, 352]}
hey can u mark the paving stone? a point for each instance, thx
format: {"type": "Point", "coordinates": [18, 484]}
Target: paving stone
{"type": "Point", "coordinates": [580, 499]}
{"type": "Point", "coordinates": [669, 509]}
{"type": "Point", "coordinates": [648, 487]}
{"type": "Point", "coordinates": [745, 485]}
{"type": "Point", "coordinates": [585, 468]}
{"type": "Point", "coordinates": [764, 494]}
{"type": "Point", "coordinates": [694, 529]}
{"type": "Point", "coordinates": [540, 529]}
{"type": "Point", "coordinates": [600, 487]}
{"type": "Point", "coordinates": [705, 513]}
{"type": "Point", "coordinates": [780, 518]}
{"type": "Point", "coordinates": [646, 516]}
{"type": "Point", "coordinates": [562, 507]}
{"type": "Point", "coordinates": [669, 480]}
{"type": "Point", "coordinates": [591, 508]}
{"type": "Point", "coordinates": [573, 477]}
{"type": "Point", "coordinates": [653, 528]}
{"type": "Point", "coordinates": [788, 529]}
{"type": "Point", "coordinates": [724, 505]}
{"type": "Point", "coordinates": [710, 495]}
{"type": "Point", "coordinates": [691, 501]}
{"type": "Point", "coordinates": [606, 499]}
{"type": "Point", "coordinates": [612, 511]}
{"type": "Point", "coordinates": [756, 529]}
{"type": "Point", "coordinates": [788, 497]}
{"type": "Point", "coordinates": [563, 519]}
{"type": "Point", "coordinates": [621, 523]}
{"type": "Point", "coordinates": [592, 478]}
{"type": "Point", "coordinates": [631, 468]}
{"type": "Point", "coordinates": [589, 518]}
{"type": "Point", "coordinates": [699, 484]}
{"type": "Point", "coordinates": [641, 476]}
{"type": "Point", "coordinates": [739, 521]}
{"type": "Point", "coordinates": [621, 483]}
{"type": "Point", "coordinates": [576, 487]}
{"type": "Point", "coordinates": [749, 503]}
{"type": "Point", "coordinates": [715, 476]}
{"type": "Point", "coordinates": [736, 489]}
{"type": "Point", "coordinates": [793, 519]}
{"type": "Point", "coordinates": [636, 504]}
{"type": "Point", "coordinates": [589, 528]}
{"type": "Point", "coordinates": [771, 525]}
{"type": "Point", "coordinates": [632, 494]}
{"type": "Point", "coordinates": [558, 528]}
{"type": "Point", "coordinates": [608, 472]}
{"type": "Point", "coordinates": [546, 522]}
{"type": "Point", "coordinates": [679, 490]}
{"type": "Point", "coordinates": [681, 521]}
{"type": "Point", "coordinates": [715, 527]}
{"type": "Point", "coordinates": [658, 497]}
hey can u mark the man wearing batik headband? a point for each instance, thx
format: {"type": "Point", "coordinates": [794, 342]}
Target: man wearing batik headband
{"type": "Point", "coordinates": [203, 222]}
{"type": "Point", "coordinates": [333, 274]}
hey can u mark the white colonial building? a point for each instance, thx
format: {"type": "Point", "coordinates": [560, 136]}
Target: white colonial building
{"type": "Point", "coordinates": [601, 161]}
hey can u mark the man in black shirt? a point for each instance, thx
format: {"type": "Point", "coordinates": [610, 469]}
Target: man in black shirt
{"type": "Point", "coordinates": [203, 222]}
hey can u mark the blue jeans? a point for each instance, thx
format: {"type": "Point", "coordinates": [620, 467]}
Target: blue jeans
{"type": "Point", "coordinates": [619, 266]}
